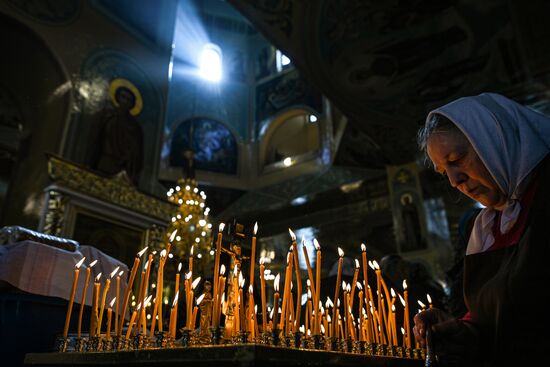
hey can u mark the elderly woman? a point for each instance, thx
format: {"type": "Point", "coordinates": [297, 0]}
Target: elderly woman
{"type": "Point", "coordinates": [495, 151]}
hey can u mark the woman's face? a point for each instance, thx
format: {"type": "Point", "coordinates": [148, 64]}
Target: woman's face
{"type": "Point", "coordinates": [454, 157]}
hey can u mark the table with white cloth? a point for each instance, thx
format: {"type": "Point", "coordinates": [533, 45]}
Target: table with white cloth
{"type": "Point", "coordinates": [36, 280]}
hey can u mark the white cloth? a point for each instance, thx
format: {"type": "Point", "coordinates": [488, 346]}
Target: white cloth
{"type": "Point", "coordinates": [510, 140]}
{"type": "Point", "coordinates": [49, 271]}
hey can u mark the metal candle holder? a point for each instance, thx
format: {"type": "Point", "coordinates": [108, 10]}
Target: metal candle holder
{"type": "Point", "coordinates": [333, 344]}
{"type": "Point", "coordinates": [61, 344]}
{"type": "Point", "coordinates": [297, 339]}
{"type": "Point", "coordinates": [275, 337]}
{"type": "Point", "coordinates": [185, 337]}
{"type": "Point", "coordinates": [93, 343]}
{"type": "Point", "coordinates": [216, 335]}
{"type": "Point", "coordinates": [80, 344]}
{"type": "Point", "coordinates": [381, 350]}
{"type": "Point", "coordinates": [370, 349]}
{"type": "Point", "coordinates": [347, 345]}
{"type": "Point", "coordinates": [241, 337]}
{"type": "Point", "coordinates": [358, 347]}
{"type": "Point", "coordinates": [317, 341]}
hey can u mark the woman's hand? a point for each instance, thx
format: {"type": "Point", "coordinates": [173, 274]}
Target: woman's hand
{"type": "Point", "coordinates": [453, 339]}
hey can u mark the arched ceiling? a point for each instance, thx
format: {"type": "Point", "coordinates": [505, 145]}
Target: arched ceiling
{"type": "Point", "coordinates": [385, 64]}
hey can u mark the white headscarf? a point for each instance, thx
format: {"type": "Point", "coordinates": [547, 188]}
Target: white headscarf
{"type": "Point", "coordinates": [510, 140]}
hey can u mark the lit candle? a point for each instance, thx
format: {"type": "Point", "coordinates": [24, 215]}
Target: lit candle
{"type": "Point", "coordinates": [276, 301]}
{"type": "Point", "coordinates": [216, 270]}
{"type": "Point", "coordinates": [405, 302]}
{"type": "Point", "coordinates": [317, 326]}
{"type": "Point", "coordinates": [173, 316]}
{"type": "Point", "coordinates": [216, 316]}
{"type": "Point", "coordinates": [71, 299]}
{"type": "Point", "coordinates": [354, 283]}
{"type": "Point", "coordinates": [117, 300]}
{"type": "Point", "coordinates": [104, 298]}
{"type": "Point", "coordinates": [360, 296]}
{"type": "Point", "coordinates": [365, 280]}
{"type": "Point", "coordinates": [253, 255]}
{"type": "Point", "coordinates": [429, 300]}
{"type": "Point", "coordinates": [394, 326]}
{"type": "Point", "coordinates": [251, 310]}
{"type": "Point", "coordinates": [308, 265]}
{"type": "Point", "coordinates": [195, 311]}
{"type": "Point", "coordinates": [337, 291]}
{"type": "Point", "coordinates": [129, 288]}
{"type": "Point", "coordinates": [191, 298]}
{"type": "Point", "coordinates": [191, 259]}
{"type": "Point", "coordinates": [83, 300]}
{"type": "Point", "coordinates": [95, 302]}
{"type": "Point", "coordinates": [109, 317]}
{"type": "Point", "coordinates": [298, 312]}
{"type": "Point", "coordinates": [262, 289]}
{"type": "Point", "coordinates": [157, 309]}
{"type": "Point", "coordinates": [132, 320]}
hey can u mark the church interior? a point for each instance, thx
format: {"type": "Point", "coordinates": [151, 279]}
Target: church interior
{"type": "Point", "coordinates": [115, 134]}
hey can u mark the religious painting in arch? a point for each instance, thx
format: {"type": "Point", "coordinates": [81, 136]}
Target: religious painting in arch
{"type": "Point", "coordinates": [213, 144]}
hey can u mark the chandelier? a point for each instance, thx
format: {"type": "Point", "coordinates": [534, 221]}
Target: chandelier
{"type": "Point", "coordinates": [193, 229]}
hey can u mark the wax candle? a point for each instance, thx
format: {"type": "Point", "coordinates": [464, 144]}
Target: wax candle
{"type": "Point", "coordinates": [109, 317]}
{"type": "Point", "coordinates": [337, 290]}
{"type": "Point", "coordinates": [263, 296]}
{"type": "Point", "coordinates": [95, 302]}
{"type": "Point", "coordinates": [104, 297]}
{"type": "Point", "coordinates": [276, 301]}
{"type": "Point", "coordinates": [354, 283]}
{"type": "Point", "coordinates": [317, 326]}
{"type": "Point", "coordinates": [429, 300]}
{"type": "Point", "coordinates": [405, 302]}
{"type": "Point", "coordinates": [137, 260]}
{"type": "Point", "coordinates": [286, 290]}
{"type": "Point", "coordinates": [365, 281]}
{"type": "Point", "coordinates": [173, 316]}
{"type": "Point", "coordinates": [253, 255]}
{"type": "Point", "coordinates": [216, 270]}
{"type": "Point", "coordinates": [71, 298]}
{"type": "Point", "coordinates": [83, 299]}
{"type": "Point", "coordinates": [117, 300]}
{"type": "Point", "coordinates": [132, 320]}
{"type": "Point", "coordinates": [297, 313]}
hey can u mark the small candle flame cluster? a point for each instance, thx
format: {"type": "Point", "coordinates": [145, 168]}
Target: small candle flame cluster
{"type": "Point", "coordinates": [357, 319]}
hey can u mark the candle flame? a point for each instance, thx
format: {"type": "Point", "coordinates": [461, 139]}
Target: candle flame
{"type": "Point", "coordinates": [402, 331]}
{"type": "Point", "coordinates": [192, 247]}
{"type": "Point", "coordinates": [92, 263]}
{"type": "Point", "coordinates": [97, 277]}
{"type": "Point", "coordinates": [241, 278]}
{"type": "Point", "coordinates": [348, 288]}
{"type": "Point", "coordinates": [322, 328]}
{"type": "Point", "coordinates": [405, 284]}
{"type": "Point", "coordinates": [308, 283]}
{"type": "Point", "coordinates": [358, 285]}
{"type": "Point", "coordinates": [302, 329]}
{"type": "Point", "coordinates": [163, 253]}
{"type": "Point", "coordinates": [271, 314]}
{"type": "Point", "coordinates": [112, 302]}
{"type": "Point", "coordinates": [309, 294]}
{"type": "Point", "coordinates": [363, 247]}
{"type": "Point", "coordinates": [142, 251]}
{"type": "Point", "coordinates": [343, 285]}
{"type": "Point", "coordinates": [221, 227]}
{"type": "Point", "coordinates": [195, 283]}
{"type": "Point", "coordinates": [392, 292]}
{"type": "Point", "coordinates": [316, 244]}
{"type": "Point", "coordinates": [179, 267]}
{"type": "Point", "coordinates": [146, 265]}
{"type": "Point", "coordinates": [148, 301]}
{"type": "Point", "coordinates": [429, 298]}
{"type": "Point", "coordinates": [235, 270]}
{"type": "Point", "coordinates": [121, 272]}
{"type": "Point", "coordinates": [222, 269]}
{"type": "Point", "coordinates": [303, 240]}
{"type": "Point", "coordinates": [288, 256]}
{"type": "Point", "coordinates": [340, 252]}
{"type": "Point", "coordinates": [338, 302]}
{"type": "Point", "coordinates": [255, 228]}
{"type": "Point", "coordinates": [199, 300]}
{"type": "Point", "coordinates": [262, 260]}
{"type": "Point", "coordinates": [173, 235]}
{"type": "Point", "coordinates": [371, 266]}
{"type": "Point", "coordinates": [176, 299]}
{"type": "Point", "coordinates": [375, 264]}
{"type": "Point", "coordinates": [421, 304]}
{"type": "Point", "coordinates": [250, 289]}
{"type": "Point", "coordinates": [255, 308]}
{"type": "Point", "coordinates": [357, 264]}
{"type": "Point", "coordinates": [329, 303]}
{"type": "Point", "coordinates": [114, 272]}
{"type": "Point", "coordinates": [402, 300]}
{"type": "Point", "coordinates": [276, 282]}
{"type": "Point", "coordinates": [329, 318]}
{"type": "Point", "coordinates": [78, 264]}
{"type": "Point", "coordinates": [138, 307]}
{"type": "Point", "coordinates": [292, 235]}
